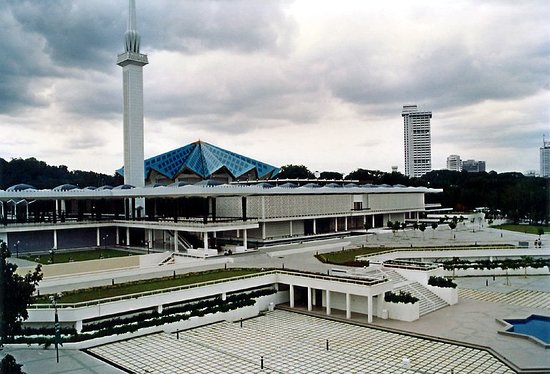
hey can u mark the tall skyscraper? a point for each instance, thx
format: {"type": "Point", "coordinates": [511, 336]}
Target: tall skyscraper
{"type": "Point", "coordinates": [454, 163]}
{"type": "Point", "coordinates": [132, 62]}
{"type": "Point", "coordinates": [418, 144]}
{"type": "Point", "coordinates": [545, 158]}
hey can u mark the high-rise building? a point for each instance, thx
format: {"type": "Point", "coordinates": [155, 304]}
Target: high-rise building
{"type": "Point", "coordinates": [418, 144]}
{"type": "Point", "coordinates": [132, 62]}
{"type": "Point", "coordinates": [454, 163]}
{"type": "Point", "coordinates": [545, 158]}
{"type": "Point", "coordinates": [473, 166]}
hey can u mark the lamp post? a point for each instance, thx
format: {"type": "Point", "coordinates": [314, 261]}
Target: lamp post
{"type": "Point", "coordinates": [105, 241]}
{"type": "Point", "coordinates": [16, 245]}
{"type": "Point", "coordinates": [147, 245]}
{"type": "Point", "coordinates": [57, 325]}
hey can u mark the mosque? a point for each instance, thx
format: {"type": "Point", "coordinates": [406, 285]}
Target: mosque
{"type": "Point", "coordinates": [198, 199]}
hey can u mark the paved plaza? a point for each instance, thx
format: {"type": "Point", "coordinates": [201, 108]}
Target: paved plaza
{"type": "Point", "coordinates": [294, 343]}
{"type": "Point", "coordinates": [295, 347]}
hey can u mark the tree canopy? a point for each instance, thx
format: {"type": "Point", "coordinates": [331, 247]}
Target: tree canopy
{"type": "Point", "coordinates": [16, 294]}
{"type": "Point", "coordinates": [41, 175]}
{"type": "Point", "coordinates": [295, 172]}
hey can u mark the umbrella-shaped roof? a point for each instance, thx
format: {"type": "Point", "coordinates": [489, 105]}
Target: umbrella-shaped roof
{"type": "Point", "coordinates": [205, 159]}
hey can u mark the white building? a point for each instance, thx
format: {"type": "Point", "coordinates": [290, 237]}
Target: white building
{"type": "Point", "coordinates": [418, 144]}
{"type": "Point", "coordinates": [454, 163]}
{"type": "Point", "coordinates": [545, 159]}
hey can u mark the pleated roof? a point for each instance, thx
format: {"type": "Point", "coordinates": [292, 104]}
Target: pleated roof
{"type": "Point", "coordinates": [204, 159]}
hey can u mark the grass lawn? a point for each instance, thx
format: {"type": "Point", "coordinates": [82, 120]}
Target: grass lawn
{"type": "Point", "coordinates": [95, 293]}
{"type": "Point", "coordinates": [529, 229]}
{"type": "Point", "coordinates": [84, 255]}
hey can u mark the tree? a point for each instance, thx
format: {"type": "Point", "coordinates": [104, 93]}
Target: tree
{"type": "Point", "coordinates": [15, 294]}
{"type": "Point", "coordinates": [331, 175]}
{"type": "Point", "coordinates": [434, 227]}
{"type": "Point", "coordinates": [10, 366]}
{"type": "Point", "coordinates": [422, 228]}
{"type": "Point", "coordinates": [526, 261]}
{"type": "Point", "coordinates": [415, 227]}
{"type": "Point", "coordinates": [295, 172]}
{"type": "Point", "coordinates": [452, 226]}
{"type": "Point", "coordinates": [540, 231]}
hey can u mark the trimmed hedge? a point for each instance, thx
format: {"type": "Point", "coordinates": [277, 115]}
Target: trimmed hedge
{"type": "Point", "coordinates": [401, 297]}
{"type": "Point", "coordinates": [116, 326]}
{"type": "Point", "coordinates": [441, 282]}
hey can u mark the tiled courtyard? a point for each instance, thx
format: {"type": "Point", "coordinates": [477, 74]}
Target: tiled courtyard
{"type": "Point", "coordinates": [294, 343]}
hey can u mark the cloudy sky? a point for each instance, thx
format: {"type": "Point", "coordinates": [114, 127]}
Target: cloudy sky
{"type": "Point", "coordinates": [319, 83]}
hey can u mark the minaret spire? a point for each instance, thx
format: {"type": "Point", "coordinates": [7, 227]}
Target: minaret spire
{"type": "Point", "coordinates": [131, 37]}
{"type": "Point", "coordinates": [132, 62]}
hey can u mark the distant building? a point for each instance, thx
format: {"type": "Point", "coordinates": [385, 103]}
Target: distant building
{"type": "Point", "coordinates": [454, 163]}
{"type": "Point", "coordinates": [418, 145]}
{"type": "Point", "coordinates": [545, 158]}
{"type": "Point", "coordinates": [473, 166]}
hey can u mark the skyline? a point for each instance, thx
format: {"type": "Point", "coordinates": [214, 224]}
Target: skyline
{"type": "Point", "coordinates": [300, 82]}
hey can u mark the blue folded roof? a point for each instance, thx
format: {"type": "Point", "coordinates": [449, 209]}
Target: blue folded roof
{"type": "Point", "coordinates": [205, 159]}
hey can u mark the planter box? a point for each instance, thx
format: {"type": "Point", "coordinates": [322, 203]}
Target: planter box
{"type": "Point", "coordinates": [450, 295]}
{"type": "Point", "coordinates": [400, 311]}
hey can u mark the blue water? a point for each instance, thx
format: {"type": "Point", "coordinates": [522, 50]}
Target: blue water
{"type": "Point", "coordinates": [537, 326]}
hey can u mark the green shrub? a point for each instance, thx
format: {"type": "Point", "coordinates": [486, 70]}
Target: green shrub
{"type": "Point", "coordinates": [401, 297]}
{"type": "Point", "coordinates": [441, 282]}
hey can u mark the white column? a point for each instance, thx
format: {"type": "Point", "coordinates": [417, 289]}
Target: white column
{"type": "Point", "coordinates": [345, 223]}
{"type": "Point", "coordinates": [372, 225]}
{"type": "Point", "coordinates": [117, 236]}
{"type": "Point", "coordinates": [313, 298]}
{"type": "Point", "coordinates": [127, 236]}
{"type": "Point", "coordinates": [176, 234]}
{"type": "Point", "coordinates": [328, 302]}
{"type": "Point", "coordinates": [309, 306]}
{"type": "Point", "coordinates": [290, 228]}
{"type": "Point", "coordinates": [150, 238]}
{"type": "Point", "coordinates": [335, 224]}
{"type": "Point", "coordinates": [348, 306]}
{"type": "Point", "coordinates": [291, 292]}
{"type": "Point", "coordinates": [263, 230]}
{"type": "Point", "coordinates": [245, 239]}
{"type": "Point", "coordinates": [238, 234]}
{"type": "Point", "coordinates": [98, 238]}
{"type": "Point", "coordinates": [224, 296]}
{"type": "Point", "coordinates": [369, 309]}
{"type": "Point", "coordinates": [54, 239]}
{"type": "Point", "coordinates": [205, 240]}
{"type": "Point", "coordinates": [314, 226]}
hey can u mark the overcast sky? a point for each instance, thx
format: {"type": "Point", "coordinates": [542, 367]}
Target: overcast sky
{"type": "Point", "coordinates": [318, 83]}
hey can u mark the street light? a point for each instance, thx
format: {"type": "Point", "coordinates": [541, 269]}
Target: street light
{"type": "Point", "coordinates": [105, 241]}
{"type": "Point", "coordinates": [16, 245]}
{"type": "Point", "coordinates": [57, 325]}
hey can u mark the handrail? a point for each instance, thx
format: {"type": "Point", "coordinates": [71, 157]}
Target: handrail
{"type": "Point", "coordinates": [365, 282]}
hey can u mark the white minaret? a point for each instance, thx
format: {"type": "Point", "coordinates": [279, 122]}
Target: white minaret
{"type": "Point", "coordinates": [132, 63]}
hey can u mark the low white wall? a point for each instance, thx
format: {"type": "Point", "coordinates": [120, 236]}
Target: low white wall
{"type": "Point", "coordinates": [498, 271]}
{"type": "Point", "coordinates": [420, 276]}
{"type": "Point", "coordinates": [90, 266]}
{"type": "Point", "coordinates": [450, 295]}
{"type": "Point", "coordinates": [262, 304]}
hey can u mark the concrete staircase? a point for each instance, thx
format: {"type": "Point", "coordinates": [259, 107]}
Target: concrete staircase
{"type": "Point", "coordinates": [429, 302]}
